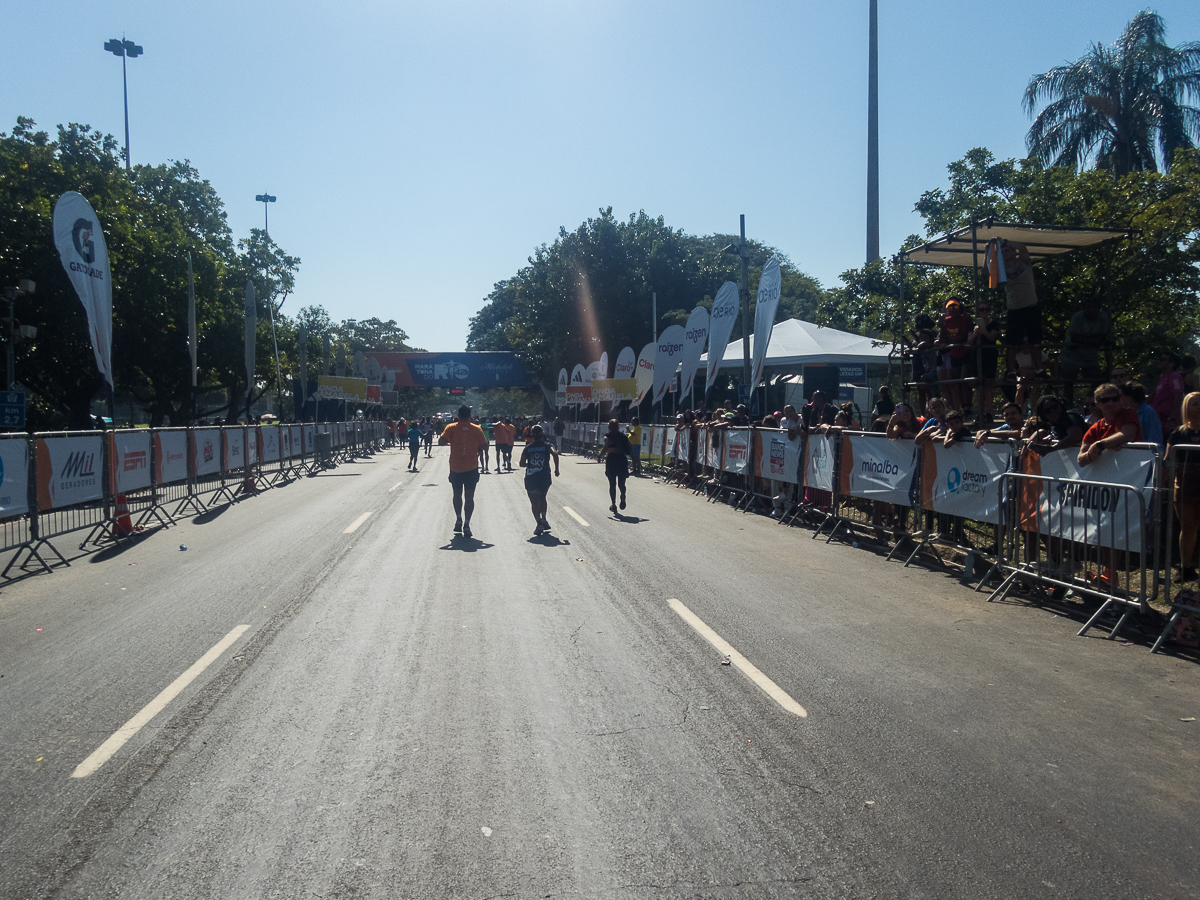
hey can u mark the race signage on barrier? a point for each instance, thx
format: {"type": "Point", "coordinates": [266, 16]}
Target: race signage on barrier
{"type": "Point", "coordinates": [1087, 512]}
{"type": "Point", "coordinates": [685, 443]}
{"type": "Point", "coordinates": [658, 445]}
{"type": "Point", "coordinates": [69, 470]}
{"type": "Point", "coordinates": [818, 462]}
{"type": "Point", "coordinates": [206, 458]}
{"type": "Point", "coordinates": [270, 443]}
{"type": "Point", "coordinates": [234, 443]}
{"type": "Point", "coordinates": [778, 458]}
{"type": "Point", "coordinates": [309, 439]}
{"type": "Point", "coordinates": [964, 481]}
{"type": "Point", "coordinates": [714, 449]}
{"type": "Point", "coordinates": [737, 450]}
{"type": "Point", "coordinates": [878, 468]}
{"type": "Point", "coordinates": [170, 456]}
{"type": "Point", "coordinates": [14, 477]}
{"type": "Point", "coordinates": [130, 461]}
{"type": "Point", "coordinates": [253, 437]}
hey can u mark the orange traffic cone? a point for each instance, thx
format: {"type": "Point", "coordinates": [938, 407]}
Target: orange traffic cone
{"type": "Point", "coordinates": [124, 522]}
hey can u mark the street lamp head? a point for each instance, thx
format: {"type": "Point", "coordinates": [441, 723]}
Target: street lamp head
{"type": "Point", "coordinates": [115, 47]}
{"type": "Point", "coordinates": [132, 50]}
{"type": "Point", "coordinates": [264, 198]}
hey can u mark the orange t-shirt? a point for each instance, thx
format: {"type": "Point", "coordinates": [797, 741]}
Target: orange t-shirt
{"type": "Point", "coordinates": [465, 441]}
{"type": "Point", "coordinates": [504, 433]}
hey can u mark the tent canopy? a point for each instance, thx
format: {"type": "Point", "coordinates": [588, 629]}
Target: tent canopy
{"type": "Point", "coordinates": [794, 343]}
{"type": "Point", "coordinates": [968, 245]}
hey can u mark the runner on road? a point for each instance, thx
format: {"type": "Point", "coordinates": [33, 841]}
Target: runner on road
{"type": "Point", "coordinates": [485, 453]}
{"type": "Point", "coordinates": [506, 436]}
{"type": "Point", "coordinates": [427, 430]}
{"type": "Point", "coordinates": [413, 436]}
{"type": "Point", "coordinates": [535, 460]}
{"type": "Point", "coordinates": [615, 452]}
{"type": "Point", "coordinates": [465, 440]}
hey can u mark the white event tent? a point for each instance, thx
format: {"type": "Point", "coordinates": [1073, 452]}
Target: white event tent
{"type": "Point", "coordinates": [798, 343]}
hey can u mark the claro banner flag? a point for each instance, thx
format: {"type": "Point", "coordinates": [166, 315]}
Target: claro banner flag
{"type": "Point", "coordinates": [720, 324]}
{"type": "Point", "coordinates": [645, 370]}
{"type": "Point", "coordinates": [963, 481]}
{"type": "Point", "coordinates": [764, 316]}
{"type": "Point", "coordinates": [626, 365]}
{"type": "Point", "coordinates": [80, 244]}
{"type": "Point", "coordinates": [694, 335]}
{"type": "Point", "coordinates": [666, 357]}
{"type": "Point", "coordinates": [878, 468]}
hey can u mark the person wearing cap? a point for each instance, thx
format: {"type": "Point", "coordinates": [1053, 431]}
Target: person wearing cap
{"type": "Point", "coordinates": [952, 343]}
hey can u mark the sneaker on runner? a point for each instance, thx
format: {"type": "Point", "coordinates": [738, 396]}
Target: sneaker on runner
{"type": "Point", "coordinates": [466, 529]}
{"type": "Point", "coordinates": [622, 501]}
{"type": "Point", "coordinates": [458, 526]}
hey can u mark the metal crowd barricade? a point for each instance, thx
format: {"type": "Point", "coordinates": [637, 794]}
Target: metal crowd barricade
{"type": "Point", "coordinates": [170, 473]}
{"type": "Point", "coordinates": [1175, 471]}
{"type": "Point", "coordinates": [17, 499]}
{"type": "Point", "coordinates": [70, 475]}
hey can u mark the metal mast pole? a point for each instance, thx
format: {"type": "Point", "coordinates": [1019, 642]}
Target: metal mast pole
{"type": "Point", "coordinates": [744, 290]}
{"type": "Point", "coordinates": [125, 86]}
{"type": "Point", "coordinates": [873, 135]}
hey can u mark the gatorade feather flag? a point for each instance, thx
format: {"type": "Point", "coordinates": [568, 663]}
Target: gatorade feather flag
{"type": "Point", "coordinates": [993, 261]}
{"type": "Point", "coordinates": [80, 243]}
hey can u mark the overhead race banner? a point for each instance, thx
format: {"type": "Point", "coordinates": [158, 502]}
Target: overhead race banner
{"type": "Point", "coordinates": [879, 468]}
{"type": "Point", "coordinates": [666, 357]}
{"type": "Point", "coordinates": [1098, 516]}
{"type": "Point", "coordinates": [69, 470]}
{"type": "Point", "coordinates": [469, 369]}
{"type": "Point", "coordinates": [352, 390]}
{"type": "Point", "coordinates": [645, 370]}
{"type": "Point", "coordinates": [720, 325]}
{"type": "Point", "coordinates": [694, 336]}
{"type": "Point", "coordinates": [14, 477]}
{"type": "Point", "coordinates": [764, 315]}
{"type": "Point", "coordinates": [80, 243]}
{"type": "Point", "coordinates": [737, 450]}
{"type": "Point", "coordinates": [964, 481]}
{"type": "Point", "coordinates": [130, 460]}
{"type": "Point", "coordinates": [779, 458]}
{"type": "Point", "coordinates": [818, 462]}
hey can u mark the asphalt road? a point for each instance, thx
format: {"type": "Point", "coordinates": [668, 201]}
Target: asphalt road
{"type": "Point", "coordinates": [409, 715]}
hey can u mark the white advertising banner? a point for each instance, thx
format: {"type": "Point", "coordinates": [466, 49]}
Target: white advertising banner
{"type": "Point", "coordinates": [695, 333]}
{"type": "Point", "coordinates": [714, 449]}
{"type": "Point", "coordinates": [69, 470]}
{"type": "Point", "coordinates": [14, 477]}
{"type": "Point", "coordinates": [309, 444]}
{"type": "Point", "coordinates": [720, 324]}
{"type": "Point", "coordinates": [964, 481]}
{"type": "Point", "coordinates": [253, 441]}
{"type": "Point", "coordinates": [685, 444]}
{"type": "Point", "coordinates": [234, 457]}
{"type": "Point", "coordinates": [666, 357]}
{"type": "Point", "coordinates": [206, 459]}
{"type": "Point", "coordinates": [764, 315]}
{"type": "Point", "coordinates": [645, 370]}
{"type": "Point", "coordinates": [1087, 513]}
{"type": "Point", "coordinates": [80, 243]}
{"type": "Point", "coordinates": [878, 468]}
{"type": "Point", "coordinates": [270, 443]}
{"type": "Point", "coordinates": [130, 461]}
{"type": "Point", "coordinates": [737, 450]}
{"type": "Point", "coordinates": [779, 458]}
{"type": "Point", "coordinates": [170, 457]}
{"type": "Point", "coordinates": [659, 445]}
{"type": "Point", "coordinates": [819, 452]}
{"type": "Point", "coordinates": [626, 365]}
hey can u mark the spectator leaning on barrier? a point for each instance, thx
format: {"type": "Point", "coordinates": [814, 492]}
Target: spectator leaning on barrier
{"type": "Point", "coordinates": [792, 422]}
{"type": "Point", "coordinates": [1014, 418]}
{"type": "Point", "coordinates": [1187, 484]}
{"type": "Point", "coordinates": [956, 429]}
{"type": "Point", "coordinates": [1058, 428]}
{"type": "Point", "coordinates": [817, 412]}
{"type": "Point", "coordinates": [903, 424]}
{"type": "Point", "coordinates": [1089, 330]}
{"type": "Point", "coordinates": [1133, 396]}
{"type": "Point", "coordinates": [1117, 427]}
{"type": "Point", "coordinates": [1168, 392]}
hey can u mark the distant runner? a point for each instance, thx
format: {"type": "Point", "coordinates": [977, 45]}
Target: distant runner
{"type": "Point", "coordinates": [427, 430]}
{"type": "Point", "coordinates": [413, 435]}
{"type": "Point", "coordinates": [506, 437]}
{"type": "Point", "coordinates": [485, 453]}
{"type": "Point", "coordinates": [466, 441]}
{"type": "Point", "coordinates": [535, 460]}
{"type": "Point", "coordinates": [615, 452]}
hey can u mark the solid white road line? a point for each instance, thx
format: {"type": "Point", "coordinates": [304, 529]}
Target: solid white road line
{"type": "Point", "coordinates": [576, 516]}
{"type": "Point", "coordinates": [105, 751]}
{"type": "Point", "coordinates": [774, 691]}
{"type": "Point", "coordinates": [353, 527]}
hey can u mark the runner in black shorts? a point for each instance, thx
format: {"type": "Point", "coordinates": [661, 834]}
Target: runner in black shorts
{"type": "Point", "coordinates": [535, 460]}
{"type": "Point", "coordinates": [615, 452]}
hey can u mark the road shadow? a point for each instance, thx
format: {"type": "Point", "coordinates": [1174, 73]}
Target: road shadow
{"type": "Point", "coordinates": [628, 520]}
{"type": "Point", "coordinates": [210, 514]}
{"type": "Point", "coordinates": [112, 551]}
{"type": "Point", "coordinates": [548, 540]}
{"type": "Point", "coordinates": [466, 544]}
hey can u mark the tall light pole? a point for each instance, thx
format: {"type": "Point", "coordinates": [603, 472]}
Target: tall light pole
{"type": "Point", "coordinates": [126, 50]}
{"type": "Point", "coordinates": [744, 292]}
{"type": "Point", "coordinates": [873, 133]}
{"type": "Point", "coordinates": [264, 199]}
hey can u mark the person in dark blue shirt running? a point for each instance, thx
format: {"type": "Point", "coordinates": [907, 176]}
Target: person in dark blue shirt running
{"type": "Point", "coordinates": [535, 460]}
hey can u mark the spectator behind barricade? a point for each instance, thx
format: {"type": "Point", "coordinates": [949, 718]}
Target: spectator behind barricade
{"type": "Point", "coordinates": [903, 424]}
{"type": "Point", "coordinates": [937, 415]}
{"type": "Point", "coordinates": [983, 358]}
{"type": "Point", "coordinates": [770, 422]}
{"type": "Point", "coordinates": [1187, 368]}
{"type": "Point", "coordinates": [841, 422]}
{"type": "Point", "coordinates": [635, 439]}
{"type": "Point", "coordinates": [1056, 427]}
{"type": "Point", "coordinates": [1014, 418]}
{"type": "Point", "coordinates": [956, 328]}
{"type": "Point", "coordinates": [1168, 392]}
{"type": "Point", "coordinates": [879, 426]}
{"type": "Point", "coordinates": [1133, 396]}
{"type": "Point", "coordinates": [1020, 294]}
{"type": "Point", "coordinates": [925, 365]}
{"type": "Point", "coordinates": [956, 429]}
{"type": "Point", "coordinates": [1187, 484]}
{"type": "Point", "coordinates": [792, 422]}
{"type": "Point", "coordinates": [1088, 332]}
{"type": "Point", "coordinates": [884, 405]}
{"type": "Point", "coordinates": [1117, 427]}
{"type": "Point", "coordinates": [817, 412]}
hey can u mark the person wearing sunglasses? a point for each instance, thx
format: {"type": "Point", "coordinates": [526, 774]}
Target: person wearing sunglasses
{"type": "Point", "coordinates": [1116, 427]}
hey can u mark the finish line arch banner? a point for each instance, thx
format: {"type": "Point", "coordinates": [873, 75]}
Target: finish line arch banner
{"type": "Point", "coordinates": [819, 452]}
{"type": "Point", "coordinates": [964, 481]}
{"type": "Point", "coordinates": [1088, 512]}
{"type": "Point", "coordinates": [778, 458]}
{"type": "Point", "coordinates": [737, 451]}
{"type": "Point", "coordinates": [878, 468]}
{"type": "Point", "coordinates": [470, 369]}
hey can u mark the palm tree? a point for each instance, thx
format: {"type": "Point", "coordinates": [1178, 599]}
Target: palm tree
{"type": "Point", "coordinates": [1120, 104]}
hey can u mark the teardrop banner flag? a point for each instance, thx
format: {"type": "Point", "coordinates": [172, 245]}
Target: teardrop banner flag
{"type": "Point", "coordinates": [645, 370]}
{"type": "Point", "coordinates": [626, 364]}
{"type": "Point", "coordinates": [694, 336]}
{"type": "Point", "coordinates": [560, 396]}
{"type": "Point", "coordinates": [80, 243]}
{"type": "Point", "coordinates": [764, 316]}
{"type": "Point", "coordinates": [579, 390]}
{"type": "Point", "coordinates": [602, 368]}
{"type": "Point", "coordinates": [666, 358]}
{"type": "Point", "coordinates": [720, 324]}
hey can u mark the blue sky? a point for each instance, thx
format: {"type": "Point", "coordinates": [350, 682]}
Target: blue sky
{"type": "Point", "coordinates": [421, 151]}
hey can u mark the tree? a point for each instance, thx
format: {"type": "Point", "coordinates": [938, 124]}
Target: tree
{"type": "Point", "coordinates": [1121, 106]}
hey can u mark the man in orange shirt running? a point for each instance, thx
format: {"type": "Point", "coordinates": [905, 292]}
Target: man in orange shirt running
{"type": "Point", "coordinates": [465, 440]}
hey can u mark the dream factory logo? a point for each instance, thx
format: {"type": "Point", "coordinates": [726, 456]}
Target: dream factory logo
{"type": "Point", "coordinates": [81, 236]}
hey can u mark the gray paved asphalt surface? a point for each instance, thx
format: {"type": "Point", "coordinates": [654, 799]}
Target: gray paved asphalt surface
{"type": "Point", "coordinates": [408, 715]}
